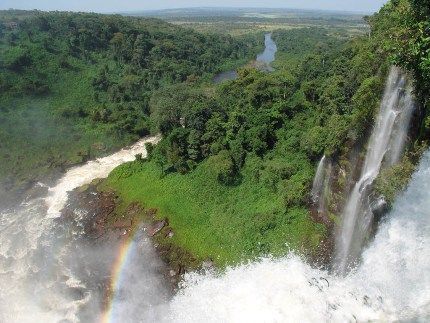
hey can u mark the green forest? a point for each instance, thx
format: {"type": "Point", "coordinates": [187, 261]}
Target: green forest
{"type": "Point", "coordinates": [84, 81]}
{"type": "Point", "coordinates": [234, 168]}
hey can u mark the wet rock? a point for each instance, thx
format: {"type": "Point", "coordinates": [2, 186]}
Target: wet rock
{"type": "Point", "coordinates": [379, 207]}
{"type": "Point", "coordinates": [76, 293]}
{"type": "Point", "coordinates": [134, 209]}
{"type": "Point", "coordinates": [150, 213]}
{"type": "Point", "coordinates": [122, 224]}
{"type": "Point", "coordinates": [156, 227]}
{"type": "Point", "coordinates": [173, 273]}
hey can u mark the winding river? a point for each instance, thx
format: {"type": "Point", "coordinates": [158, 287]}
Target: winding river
{"type": "Point", "coordinates": [263, 61]}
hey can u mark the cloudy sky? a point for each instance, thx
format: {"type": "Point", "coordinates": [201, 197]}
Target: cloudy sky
{"type": "Point", "coordinates": [137, 5]}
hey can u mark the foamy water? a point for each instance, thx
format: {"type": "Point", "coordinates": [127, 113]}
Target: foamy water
{"type": "Point", "coordinates": [99, 168]}
{"type": "Point", "coordinates": [385, 149]}
{"type": "Point", "coordinates": [391, 284]}
{"type": "Point", "coordinates": [41, 261]}
{"type": "Point", "coordinates": [39, 266]}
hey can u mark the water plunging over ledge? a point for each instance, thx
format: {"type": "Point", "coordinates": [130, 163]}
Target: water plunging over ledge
{"type": "Point", "coordinates": [321, 185]}
{"type": "Point", "coordinates": [391, 283]}
{"type": "Point", "coordinates": [385, 149]}
{"type": "Point", "coordinates": [37, 281]}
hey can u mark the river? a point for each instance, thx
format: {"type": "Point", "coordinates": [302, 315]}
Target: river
{"type": "Point", "coordinates": [263, 61]}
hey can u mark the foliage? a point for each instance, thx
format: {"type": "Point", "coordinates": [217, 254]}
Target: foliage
{"type": "Point", "coordinates": [405, 25]}
{"type": "Point", "coordinates": [210, 220]}
{"type": "Point", "coordinates": [391, 181]}
{"type": "Point", "coordinates": [89, 79]}
{"type": "Point", "coordinates": [236, 160]}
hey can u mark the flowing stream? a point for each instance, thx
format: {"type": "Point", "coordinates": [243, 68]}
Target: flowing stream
{"type": "Point", "coordinates": [268, 56]}
{"type": "Point", "coordinates": [385, 148]}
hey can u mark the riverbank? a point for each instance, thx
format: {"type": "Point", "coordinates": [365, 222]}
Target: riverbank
{"type": "Point", "coordinates": [262, 62]}
{"type": "Point", "coordinates": [107, 223]}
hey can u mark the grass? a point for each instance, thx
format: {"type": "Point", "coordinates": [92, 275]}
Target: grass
{"type": "Point", "coordinates": [210, 220]}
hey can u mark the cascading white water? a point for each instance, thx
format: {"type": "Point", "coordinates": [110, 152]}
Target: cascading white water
{"type": "Point", "coordinates": [321, 184]}
{"type": "Point", "coordinates": [38, 264]}
{"type": "Point", "coordinates": [318, 183]}
{"type": "Point", "coordinates": [386, 145]}
{"type": "Point", "coordinates": [40, 260]}
{"type": "Point", "coordinates": [81, 175]}
{"type": "Point", "coordinates": [391, 283]}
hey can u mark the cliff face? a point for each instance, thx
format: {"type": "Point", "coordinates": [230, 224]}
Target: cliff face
{"type": "Point", "coordinates": [355, 189]}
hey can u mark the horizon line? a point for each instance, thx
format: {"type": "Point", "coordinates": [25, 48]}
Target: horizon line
{"type": "Point", "coordinates": [356, 12]}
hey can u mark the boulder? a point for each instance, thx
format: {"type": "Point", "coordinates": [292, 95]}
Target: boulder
{"type": "Point", "coordinates": [156, 227]}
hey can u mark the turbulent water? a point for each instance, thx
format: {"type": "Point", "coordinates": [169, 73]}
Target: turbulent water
{"type": "Point", "coordinates": [391, 284]}
{"type": "Point", "coordinates": [43, 263]}
{"type": "Point", "coordinates": [384, 149]}
{"type": "Point", "coordinates": [47, 275]}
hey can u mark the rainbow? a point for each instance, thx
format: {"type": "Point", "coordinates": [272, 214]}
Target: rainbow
{"type": "Point", "coordinates": [125, 250]}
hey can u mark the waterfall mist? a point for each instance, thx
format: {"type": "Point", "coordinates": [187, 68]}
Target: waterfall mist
{"type": "Point", "coordinates": [49, 272]}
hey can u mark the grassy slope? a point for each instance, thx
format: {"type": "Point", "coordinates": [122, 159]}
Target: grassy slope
{"type": "Point", "coordinates": [226, 224]}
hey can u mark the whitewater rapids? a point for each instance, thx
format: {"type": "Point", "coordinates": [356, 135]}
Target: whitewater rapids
{"type": "Point", "coordinates": [391, 284]}
{"type": "Point", "coordinates": [38, 267]}
{"type": "Point", "coordinates": [44, 268]}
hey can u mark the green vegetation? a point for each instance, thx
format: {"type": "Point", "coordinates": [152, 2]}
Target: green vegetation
{"type": "Point", "coordinates": [243, 21]}
{"type": "Point", "coordinates": [393, 180]}
{"type": "Point", "coordinates": [234, 168]}
{"type": "Point", "coordinates": [407, 25]}
{"type": "Point", "coordinates": [211, 220]}
{"type": "Point", "coordinates": [258, 138]}
{"type": "Point", "coordinates": [84, 81]}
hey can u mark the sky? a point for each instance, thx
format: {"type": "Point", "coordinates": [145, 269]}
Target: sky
{"type": "Point", "coordinates": [139, 5]}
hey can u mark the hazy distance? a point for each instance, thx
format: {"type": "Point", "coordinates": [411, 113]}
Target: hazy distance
{"type": "Point", "coordinates": [105, 6]}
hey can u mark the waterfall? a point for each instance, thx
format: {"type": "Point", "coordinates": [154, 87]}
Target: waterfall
{"type": "Point", "coordinates": [391, 284]}
{"type": "Point", "coordinates": [385, 148]}
{"type": "Point", "coordinates": [321, 184]}
{"type": "Point", "coordinates": [318, 183]}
